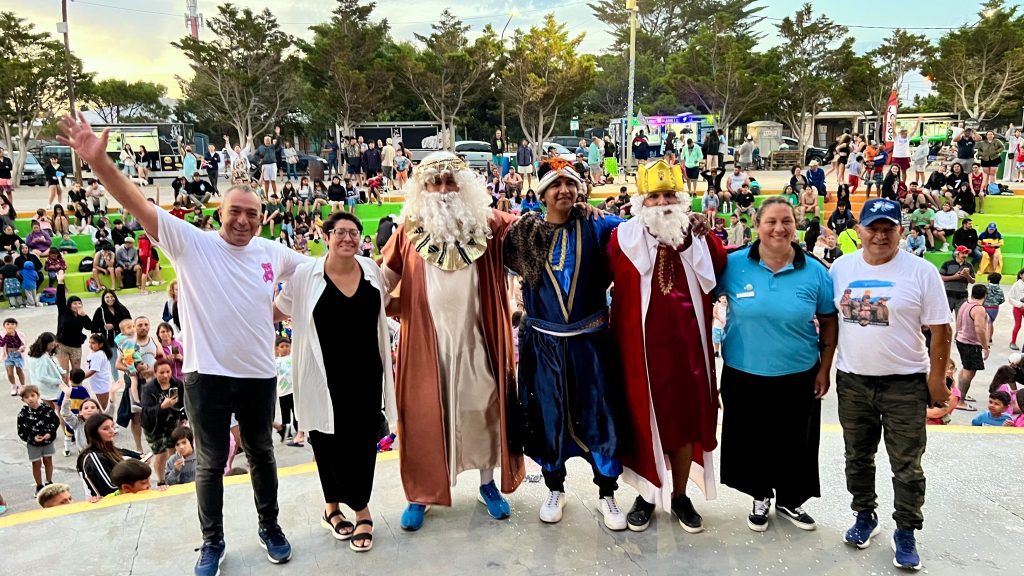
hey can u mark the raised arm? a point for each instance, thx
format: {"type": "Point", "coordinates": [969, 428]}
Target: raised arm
{"type": "Point", "coordinates": [78, 134]}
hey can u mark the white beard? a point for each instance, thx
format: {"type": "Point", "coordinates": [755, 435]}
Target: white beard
{"type": "Point", "coordinates": [450, 217]}
{"type": "Point", "coordinates": [668, 224]}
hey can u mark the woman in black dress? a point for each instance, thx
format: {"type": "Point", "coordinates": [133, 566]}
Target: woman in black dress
{"type": "Point", "coordinates": [338, 303]}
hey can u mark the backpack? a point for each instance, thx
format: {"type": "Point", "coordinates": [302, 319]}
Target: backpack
{"type": "Point", "coordinates": [85, 265]}
{"type": "Point", "coordinates": [92, 285]}
{"type": "Point", "coordinates": [49, 296]}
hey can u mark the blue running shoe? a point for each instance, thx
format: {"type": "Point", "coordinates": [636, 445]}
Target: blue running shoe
{"type": "Point", "coordinates": [273, 541]}
{"type": "Point", "coordinates": [905, 546]}
{"type": "Point", "coordinates": [496, 504]}
{"type": "Point", "coordinates": [863, 529]}
{"type": "Point", "coordinates": [211, 554]}
{"type": "Point", "coordinates": [412, 518]}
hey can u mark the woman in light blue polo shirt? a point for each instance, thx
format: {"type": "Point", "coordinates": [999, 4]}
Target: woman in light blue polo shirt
{"type": "Point", "coordinates": [775, 369]}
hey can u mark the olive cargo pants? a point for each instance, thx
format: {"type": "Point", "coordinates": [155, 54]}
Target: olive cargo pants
{"type": "Point", "coordinates": [869, 405]}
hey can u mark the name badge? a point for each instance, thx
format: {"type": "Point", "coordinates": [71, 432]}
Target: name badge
{"type": "Point", "coordinates": [749, 294]}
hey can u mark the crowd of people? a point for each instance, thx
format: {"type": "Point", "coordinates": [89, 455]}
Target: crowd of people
{"type": "Point", "coordinates": [620, 313]}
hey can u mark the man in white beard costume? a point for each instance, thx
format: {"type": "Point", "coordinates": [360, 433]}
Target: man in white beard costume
{"type": "Point", "coordinates": [455, 387]}
{"type": "Point", "coordinates": [664, 264]}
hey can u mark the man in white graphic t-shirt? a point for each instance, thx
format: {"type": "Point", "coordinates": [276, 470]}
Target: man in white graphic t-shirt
{"type": "Point", "coordinates": [886, 376]}
{"type": "Point", "coordinates": [227, 280]}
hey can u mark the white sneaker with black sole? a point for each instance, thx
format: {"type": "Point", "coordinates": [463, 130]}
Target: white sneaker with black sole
{"type": "Point", "coordinates": [797, 516]}
{"type": "Point", "coordinates": [758, 518]}
{"type": "Point", "coordinates": [551, 511]}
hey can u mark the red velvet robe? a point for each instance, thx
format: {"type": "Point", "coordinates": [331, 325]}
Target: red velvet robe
{"type": "Point", "coordinates": [632, 264]}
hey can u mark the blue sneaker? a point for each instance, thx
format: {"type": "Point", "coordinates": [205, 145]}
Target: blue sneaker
{"type": "Point", "coordinates": [905, 546]}
{"type": "Point", "coordinates": [496, 504]}
{"type": "Point", "coordinates": [863, 529]}
{"type": "Point", "coordinates": [273, 541]}
{"type": "Point", "coordinates": [412, 518]}
{"type": "Point", "coordinates": [211, 554]}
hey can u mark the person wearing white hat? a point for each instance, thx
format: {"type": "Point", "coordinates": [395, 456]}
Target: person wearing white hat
{"type": "Point", "coordinates": [455, 385]}
{"type": "Point", "coordinates": [570, 383]}
{"type": "Point", "coordinates": [664, 270]}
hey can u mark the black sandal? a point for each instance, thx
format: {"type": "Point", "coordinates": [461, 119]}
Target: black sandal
{"type": "Point", "coordinates": [336, 529]}
{"type": "Point", "coordinates": [367, 536]}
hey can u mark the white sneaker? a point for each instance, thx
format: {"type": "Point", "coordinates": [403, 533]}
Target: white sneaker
{"type": "Point", "coordinates": [551, 510]}
{"type": "Point", "coordinates": [945, 248]}
{"type": "Point", "coordinates": [614, 519]}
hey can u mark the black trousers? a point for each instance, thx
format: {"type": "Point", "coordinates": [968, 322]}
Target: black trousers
{"type": "Point", "coordinates": [212, 174]}
{"type": "Point", "coordinates": [210, 401]}
{"type": "Point", "coordinates": [606, 485]}
{"type": "Point", "coordinates": [288, 411]}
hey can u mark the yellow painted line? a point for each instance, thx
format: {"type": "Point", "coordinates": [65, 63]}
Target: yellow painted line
{"type": "Point", "coordinates": [310, 467]}
{"type": "Point", "coordinates": [38, 514]}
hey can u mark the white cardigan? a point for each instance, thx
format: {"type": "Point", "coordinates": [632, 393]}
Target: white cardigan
{"type": "Point", "coordinates": [298, 299]}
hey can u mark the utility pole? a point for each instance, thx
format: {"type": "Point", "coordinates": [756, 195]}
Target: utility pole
{"type": "Point", "coordinates": [62, 27]}
{"type": "Point", "coordinates": [631, 5]}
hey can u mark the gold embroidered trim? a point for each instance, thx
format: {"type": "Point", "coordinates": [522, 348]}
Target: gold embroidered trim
{"type": "Point", "coordinates": [442, 256]}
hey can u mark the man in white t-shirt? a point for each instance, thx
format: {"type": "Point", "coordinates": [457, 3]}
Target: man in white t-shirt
{"type": "Point", "coordinates": [886, 376]}
{"type": "Point", "coordinates": [226, 294]}
{"type": "Point", "coordinates": [901, 149]}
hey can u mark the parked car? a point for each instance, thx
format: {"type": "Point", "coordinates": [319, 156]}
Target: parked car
{"type": "Point", "coordinates": [562, 151]}
{"type": "Point", "coordinates": [570, 142]}
{"type": "Point", "coordinates": [32, 174]}
{"type": "Point", "coordinates": [304, 159]}
{"type": "Point", "coordinates": [476, 153]}
{"type": "Point", "coordinates": [811, 153]}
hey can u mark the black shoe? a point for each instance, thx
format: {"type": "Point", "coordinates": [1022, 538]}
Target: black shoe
{"type": "Point", "coordinates": [797, 516]}
{"type": "Point", "coordinates": [682, 507]}
{"type": "Point", "coordinates": [639, 517]}
{"type": "Point", "coordinates": [758, 518]}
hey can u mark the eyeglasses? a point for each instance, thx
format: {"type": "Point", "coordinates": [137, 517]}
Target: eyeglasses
{"type": "Point", "coordinates": [350, 232]}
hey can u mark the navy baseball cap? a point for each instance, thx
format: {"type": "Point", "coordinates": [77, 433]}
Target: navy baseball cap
{"type": "Point", "coordinates": [879, 208]}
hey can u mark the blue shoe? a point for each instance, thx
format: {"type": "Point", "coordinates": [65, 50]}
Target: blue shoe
{"type": "Point", "coordinates": [905, 546]}
{"type": "Point", "coordinates": [273, 541]}
{"type": "Point", "coordinates": [211, 554]}
{"type": "Point", "coordinates": [496, 504]}
{"type": "Point", "coordinates": [412, 518]}
{"type": "Point", "coordinates": [863, 529]}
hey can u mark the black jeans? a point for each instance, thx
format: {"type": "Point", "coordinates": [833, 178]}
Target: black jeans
{"type": "Point", "coordinates": [209, 402]}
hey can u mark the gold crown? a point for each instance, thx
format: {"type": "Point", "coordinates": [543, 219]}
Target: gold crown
{"type": "Point", "coordinates": [440, 161]}
{"type": "Point", "coordinates": [658, 176]}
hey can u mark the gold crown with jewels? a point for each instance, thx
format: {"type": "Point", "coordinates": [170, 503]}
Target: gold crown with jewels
{"type": "Point", "coordinates": [658, 176]}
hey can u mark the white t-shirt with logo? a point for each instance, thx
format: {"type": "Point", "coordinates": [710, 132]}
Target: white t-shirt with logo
{"type": "Point", "coordinates": [225, 298]}
{"type": "Point", "coordinates": [901, 147]}
{"type": "Point", "coordinates": [881, 312]}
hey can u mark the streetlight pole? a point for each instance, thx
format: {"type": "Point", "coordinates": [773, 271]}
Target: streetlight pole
{"type": "Point", "coordinates": [501, 41]}
{"type": "Point", "coordinates": [63, 28]}
{"type": "Point", "coordinates": [631, 5]}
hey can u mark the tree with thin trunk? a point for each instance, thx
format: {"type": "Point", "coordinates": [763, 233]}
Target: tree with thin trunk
{"type": "Point", "coordinates": [544, 76]}
{"type": "Point", "coordinates": [981, 67]}
{"type": "Point", "coordinates": [448, 70]}
{"type": "Point", "coordinates": [116, 100]}
{"type": "Point", "coordinates": [345, 71]}
{"type": "Point", "coordinates": [244, 75]}
{"type": "Point", "coordinates": [720, 71]}
{"type": "Point", "coordinates": [813, 57]}
{"type": "Point", "coordinates": [33, 86]}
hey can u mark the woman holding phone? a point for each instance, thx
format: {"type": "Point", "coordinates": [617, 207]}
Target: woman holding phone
{"type": "Point", "coordinates": [170, 348]}
{"type": "Point", "coordinates": [163, 409]}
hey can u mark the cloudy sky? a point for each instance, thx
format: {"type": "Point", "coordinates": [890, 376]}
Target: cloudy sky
{"type": "Point", "coordinates": [130, 39]}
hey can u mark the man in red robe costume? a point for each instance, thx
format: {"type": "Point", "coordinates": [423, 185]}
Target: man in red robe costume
{"type": "Point", "coordinates": [664, 271]}
{"type": "Point", "coordinates": [455, 387]}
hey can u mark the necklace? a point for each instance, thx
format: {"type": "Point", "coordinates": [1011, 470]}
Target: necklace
{"type": "Point", "coordinates": [665, 280]}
